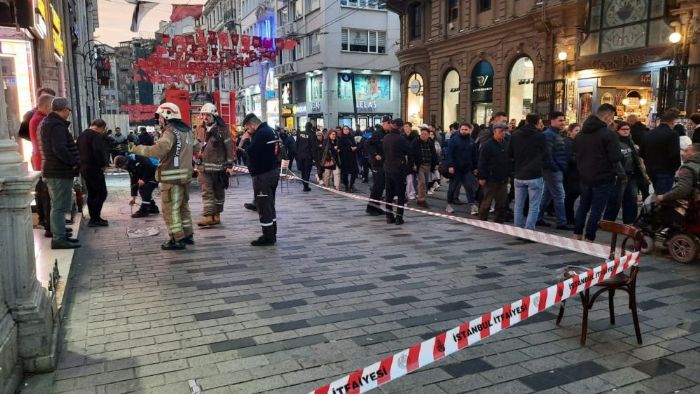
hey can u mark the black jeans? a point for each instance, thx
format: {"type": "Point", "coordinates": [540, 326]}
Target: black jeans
{"type": "Point", "coordinates": [265, 188]}
{"type": "Point", "coordinates": [97, 191]}
{"type": "Point", "coordinates": [497, 191]}
{"type": "Point", "coordinates": [572, 191]}
{"type": "Point", "coordinates": [376, 191]}
{"type": "Point", "coordinates": [304, 166]}
{"type": "Point", "coordinates": [348, 176]}
{"type": "Point", "coordinates": [43, 203]}
{"type": "Point", "coordinates": [395, 187]}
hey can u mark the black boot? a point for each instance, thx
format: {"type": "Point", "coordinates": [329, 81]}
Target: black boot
{"type": "Point", "coordinates": [390, 219]}
{"type": "Point", "coordinates": [141, 213]}
{"type": "Point", "coordinates": [153, 209]}
{"type": "Point", "coordinates": [399, 220]}
{"type": "Point", "coordinates": [188, 240]}
{"type": "Point", "coordinates": [268, 238]}
{"type": "Point", "coordinates": [173, 245]}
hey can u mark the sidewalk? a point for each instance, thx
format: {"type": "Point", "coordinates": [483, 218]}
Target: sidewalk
{"type": "Point", "coordinates": [342, 290]}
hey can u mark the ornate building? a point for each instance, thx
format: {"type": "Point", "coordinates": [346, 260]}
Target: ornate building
{"type": "Point", "coordinates": [464, 59]}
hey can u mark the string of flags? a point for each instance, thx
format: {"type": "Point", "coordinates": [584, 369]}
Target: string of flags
{"type": "Point", "coordinates": [191, 57]}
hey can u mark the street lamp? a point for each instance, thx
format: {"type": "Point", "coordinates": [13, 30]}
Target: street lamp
{"type": "Point", "coordinates": [675, 37]}
{"type": "Point", "coordinates": [562, 56]}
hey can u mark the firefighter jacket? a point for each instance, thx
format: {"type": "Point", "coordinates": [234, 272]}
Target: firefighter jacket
{"type": "Point", "coordinates": [217, 151]}
{"type": "Point", "coordinates": [174, 150]}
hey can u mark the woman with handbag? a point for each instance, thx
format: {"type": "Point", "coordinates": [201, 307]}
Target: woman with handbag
{"type": "Point", "coordinates": [330, 159]}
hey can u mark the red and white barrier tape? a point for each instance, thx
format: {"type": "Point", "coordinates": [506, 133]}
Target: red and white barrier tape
{"type": "Point", "coordinates": [469, 333]}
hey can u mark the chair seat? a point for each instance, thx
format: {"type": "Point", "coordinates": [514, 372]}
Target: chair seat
{"type": "Point", "coordinates": [616, 281]}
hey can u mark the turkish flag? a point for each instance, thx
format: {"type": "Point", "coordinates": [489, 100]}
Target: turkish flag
{"type": "Point", "coordinates": [182, 11]}
{"type": "Point", "coordinates": [223, 40]}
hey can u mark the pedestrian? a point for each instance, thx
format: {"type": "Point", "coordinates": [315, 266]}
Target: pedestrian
{"type": "Point", "coordinates": [411, 136]}
{"type": "Point", "coordinates": [660, 151]}
{"type": "Point", "coordinates": [347, 149]}
{"type": "Point", "coordinates": [637, 129]}
{"type": "Point", "coordinates": [425, 159]}
{"type": "Point", "coordinates": [572, 181]}
{"type": "Point", "coordinates": [318, 153]}
{"type": "Point", "coordinates": [144, 137]}
{"type": "Point", "coordinates": [43, 200]}
{"type": "Point", "coordinates": [494, 171]}
{"type": "Point", "coordinates": [119, 143]}
{"type": "Point", "coordinates": [694, 124]}
{"type": "Point", "coordinates": [397, 162]}
{"type": "Point", "coordinates": [375, 148]}
{"type": "Point", "coordinates": [462, 161]}
{"type": "Point", "coordinates": [364, 155]}
{"type": "Point", "coordinates": [625, 192]}
{"type": "Point", "coordinates": [93, 160]}
{"type": "Point", "coordinates": [553, 173]}
{"type": "Point", "coordinates": [331, 160]}
{"type": "Point", "coordinates": [528, 151]}
{"type": "Point", "coordinates": [434, 183]}
{"type": "Point", "coordinates": [23, 131]}
{"type": "Point", "coordinates": [289, 145]}
{"type": "Point", "coordinates": [174, 151]}
{"type": "Point", "coordinates": [305, 154]}
{"type": "Point", "coordinates": [263, 167]}
{"type": "Point", "coordinates": [598, 155]}
{"type": "Point", "coordinates": [60, 164]}
{"type": "Point", "coordinates": [142, 174]}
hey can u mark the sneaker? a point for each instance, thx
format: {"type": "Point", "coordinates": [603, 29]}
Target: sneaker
{"type": "Point", "coordinates": [173, 245]}
{"type": "Point", "coordinates": [188, 240]}
{"type": "Point", "coordinates": [474, 210]}
{"type": "Point", "coordinates": [431, 192]}
{"type": "Point", "coordinates": [250, 207]}
{"type": "Point", "coordinates": [63, 244]}
{"type": "Point", "coordinates": [449, 209]}
{"type": "Point", "coordinates": [139, 214]}
{"type": "Point", "coordinates": [263, 241]}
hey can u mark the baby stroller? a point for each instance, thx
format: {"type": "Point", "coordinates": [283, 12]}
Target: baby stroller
{"type": "Point", "coordinates": [676, 226]}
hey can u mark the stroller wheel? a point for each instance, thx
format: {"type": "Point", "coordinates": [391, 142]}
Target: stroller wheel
{"type": "Point", "coordinates": [683, 248]}
{"type": "Point", "coordinates": [648, 244]}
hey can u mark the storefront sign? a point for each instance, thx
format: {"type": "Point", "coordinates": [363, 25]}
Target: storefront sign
{"type": "Point", "coordinates": [300, 109]}
{"type": "Point", "coordinates": [367, 87]}
{"type": "Point", "coordinates": [58, 44]}
{"type": "Point", "coordinates": [40, 29]}
{"type": "Point", "coordinates": [286, 93]}
{"type": "Point", "coordinates": [482, 82]}
{"type": "Point", "coordinates": [367, 106]}
{"type": "Point", "coordinates": [622, 61]}
{"type": "Point", "coordinates": [316, 106]}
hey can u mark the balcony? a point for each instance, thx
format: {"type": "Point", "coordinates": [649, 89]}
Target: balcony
{"type": "Point", "coordinates": [285, 69]}
{"type": "Point", "coordinates": [287, 29]}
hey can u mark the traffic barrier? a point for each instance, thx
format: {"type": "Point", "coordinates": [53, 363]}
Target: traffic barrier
{"type": "Point", "coordinates": [469, 333]}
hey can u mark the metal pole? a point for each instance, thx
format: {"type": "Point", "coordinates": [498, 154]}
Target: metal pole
{"type": "Point", "coordinates": [354, 100]}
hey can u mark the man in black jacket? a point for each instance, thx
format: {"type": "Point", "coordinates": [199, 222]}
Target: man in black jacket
{"type": "Point", "coordinates": [494, 169]}
{"type": "Point", "coordinates": [638, 129]}
{"type": "Point", "coordinates": [375, 152]}
{"type": "Point", "coordinates": [60, 165]}
{"type": "Point", "coordinates": [597, 151]}
{"type": "Point", "coordinates": [661, 152]}
{"type": "Point", "coordinates": [142, 174]}
{"type": "Point", "coordinates": [93, 160]}
{"type": "Point", "coordinates": [528, 150]}
{"type": "Point", "coordinates": [305, 145]}
{"type": "Point", "coordinates": [462, 160]}
{"type": "Point", "coordinates": [424, 161]}
{"type": "Point", "coordinates": [264, 169]}
{"type": "Point", "coordinates": [397, 162]}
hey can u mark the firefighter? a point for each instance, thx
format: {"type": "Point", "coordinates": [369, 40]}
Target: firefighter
{"type": "Point", "coordinates": [214, 166]}
{"type": "Point", "coordinates": [174, 150]}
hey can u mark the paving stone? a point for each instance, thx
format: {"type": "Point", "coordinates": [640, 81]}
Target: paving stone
{"type": "Point", "coordinates": [656, 367]}
{"type": "Point", "coordinates": [213, 315]}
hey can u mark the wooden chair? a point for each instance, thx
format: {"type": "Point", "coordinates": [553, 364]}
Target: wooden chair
{"type": "Point", "coordinates": [284, 175]}
{"type": "Point", "coordinates": [622, 281]}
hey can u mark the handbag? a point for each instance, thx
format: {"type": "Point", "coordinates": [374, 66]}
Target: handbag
{"type": "Point", "coordinates": [329, 164]}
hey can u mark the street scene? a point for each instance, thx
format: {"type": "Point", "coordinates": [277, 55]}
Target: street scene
{"type": "Point", "coordinates": [350, 196]}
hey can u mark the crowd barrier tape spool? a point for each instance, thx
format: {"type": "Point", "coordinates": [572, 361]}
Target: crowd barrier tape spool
{"type": "Point", "coordinates": [588, 248]}
{"type": "Point", "coordinates": [469, 333]}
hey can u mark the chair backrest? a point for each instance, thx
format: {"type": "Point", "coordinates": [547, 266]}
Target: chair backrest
{"type": "Point", "coordinates": [284, 168]}
{"type": "Point", "coordinates": [630, 233]}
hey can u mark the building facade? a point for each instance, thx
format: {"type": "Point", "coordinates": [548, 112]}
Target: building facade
{"type": "Point", "coordinates": [463, 59]}
{"type": "Point", "coordinates": [130, 90]}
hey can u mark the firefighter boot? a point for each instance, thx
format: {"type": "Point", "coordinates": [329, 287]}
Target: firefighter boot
{"type": "Point", "coordinates": [217, 219]}
{"type": "Point", "coordinates": [207, 221]}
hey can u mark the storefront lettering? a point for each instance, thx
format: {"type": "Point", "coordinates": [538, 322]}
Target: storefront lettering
{"type": "Point", "coordinates": [616, 62]}
{"type": "Point", "coordinates": [367, 105]}
{"type": "Point", "coordinates": [40, 28]}
{"type": "Point", "coordinates": [316, 106]}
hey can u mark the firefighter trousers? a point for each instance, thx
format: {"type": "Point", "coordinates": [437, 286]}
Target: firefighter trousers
{"type": "Point", "coordinates": [213, 192]}
{"type": "Point", "coordinates": [176, 210]}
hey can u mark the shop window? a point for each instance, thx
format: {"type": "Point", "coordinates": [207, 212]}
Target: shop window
{"type": "Point", "coordinates": [312, 44]}
{"type": "Point", "coordinates": [415, 21]}
{"type": "Point", "coordinates": [450, 97]}
{"type": "Point", "coordinates": [521, 88]}
{"type": "Point", "coordinates": [414, 99]}
{"type": "Point", "coordinates": [484, 5]}
{"type": "Point", "coordinates": [298, 7]}
{"type": "Point", "coordinates": [373, 4]}
{"type": "Point", "coordinates": [618, 25]}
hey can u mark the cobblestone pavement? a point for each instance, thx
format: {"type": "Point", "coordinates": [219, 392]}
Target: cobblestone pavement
{"type": "Point", "coordinates": [342, 290]}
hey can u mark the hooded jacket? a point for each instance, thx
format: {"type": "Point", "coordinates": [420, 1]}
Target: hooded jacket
{"type": "Point", "coordinates": [597, 151]}
{"type": "Point", "coordinates": [687, 180]}
{"type": "Point", "coordinates": [528, 150]}
{"type": "Point", "coordinates": [174, 150]}
{"type": "Point", "coordinates": [60, 157]}
{"type": "Point", "coordinates": [661, 151]}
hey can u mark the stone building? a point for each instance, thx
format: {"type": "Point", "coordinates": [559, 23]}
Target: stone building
{"type": "Point", "coordinates": [465, 59]}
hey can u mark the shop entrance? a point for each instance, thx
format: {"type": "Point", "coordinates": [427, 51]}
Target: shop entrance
{"type": "Point", "coordinates": [630, 92]}
{"type": "Point", "coordinates": [481, 113]}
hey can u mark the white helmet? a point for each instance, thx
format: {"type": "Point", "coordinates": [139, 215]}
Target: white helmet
{"type": "Point", "coordinates": [169, 111]}
{"type": "Point", "coordinates": [209, 108]}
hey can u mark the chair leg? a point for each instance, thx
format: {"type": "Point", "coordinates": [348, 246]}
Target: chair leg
{"type": "Point", "coordinates": [584, 323]}
{"type": "Point", "coordinates": [635, 319]}
{"type": "Point", "coordinates": [611, 302]}
{"type": "Point", "coordinates": [561, 312]}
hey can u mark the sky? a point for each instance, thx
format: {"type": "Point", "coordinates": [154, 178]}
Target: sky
{"type": "Point", "coordinates": [115, 19]}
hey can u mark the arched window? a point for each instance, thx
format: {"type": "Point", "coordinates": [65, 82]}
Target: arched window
{"type": "Point", "coordinates": [521, 88]}
{"type": "Point", "coordinates": [450, 98]}
{"type": "Point", "coordinates": [414, 99]}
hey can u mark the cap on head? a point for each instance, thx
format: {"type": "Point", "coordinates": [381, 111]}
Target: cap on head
{"type": "Point", "coordinates": [169, 111]}
{"type": "Point", "coordinates": [59, 104]}
{"type": "Point", "coordinates": [209, 108]}
{"type": "Point", "coordinates": [386, 118]}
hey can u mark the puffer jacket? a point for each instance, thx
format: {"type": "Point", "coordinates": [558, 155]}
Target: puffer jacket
{"type": "Point", "coordinates": [217, 151]}
{"type": "Point", "coordinates": [558, 154]}
{"type": "Point", "coordinates": [174, 150]}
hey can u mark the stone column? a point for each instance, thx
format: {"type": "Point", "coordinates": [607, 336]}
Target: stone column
{"type": "Point", "coordinates": [27, 301]}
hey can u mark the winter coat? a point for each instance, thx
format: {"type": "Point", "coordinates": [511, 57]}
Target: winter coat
{"type": "Point", "coordinates": [686, 182]}
{"type": "Point", "coordinates": [661, 150]}
{"type": "Point", "coordinates": [597, 151]}
{"type": "Point", "coordinates": [638, 131]}
{"type": "Point", "coordinates": [262, 156]}
{"type": "Point", "coordinates": [60, 157]}
{"type": "Point", "coordinates": [397, 153]}
{"type": "Point", "coordinates": [417, 155]}
{"type": "Point", "coordinates": [558, 155]}
{"type": "Point", "coordinates": [145, 139]}
{"type": "Point", "coordinates": [462, 154]}
{"type": "Point", "coordinates": [92, 150]}
{"type": "Point", "coordinates": [140, 168]}
{"type": "Point", "coordinates": [494, 163]}
{"type": "Point", "coordinates": [217, 151]}
{"type": "Point", "coordinates": [305, 145]}
{"type": "Point", "coordinates": [375, 148]}
{"type": "Point", "coordinates": [528, 151]}
{"type": "Point", "coordinates": [348, 157]}
{"type": "Point", "coordinates": [33, 128]}
{"type": "Point", "coordinates": [331, 152]}
{"type": "Point", "coordinates": [174, 150]}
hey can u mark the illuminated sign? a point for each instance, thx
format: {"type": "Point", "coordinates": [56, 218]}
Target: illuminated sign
{"type": "Point", "coordinates": [40, 28]}
{"type": "Point", "coordinates": [58, 44]}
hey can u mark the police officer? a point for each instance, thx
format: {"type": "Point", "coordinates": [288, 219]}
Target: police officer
{"type": "Point", "coordinates": [142, 172]}
{"type": "Point", "coordinates": [263, 166]}
{"type": "Point", "coordinates": [305, 145]}
{"type": "Point", "coordinates": [375, 151]}
{"type": "Point", "coordinates": [174, 150]}
{"type": "Point", "coordinates": [397, 162]}
{"type": "Point", "coordinates": [214, 166]}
